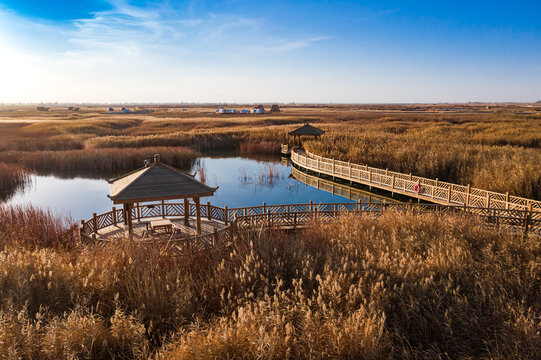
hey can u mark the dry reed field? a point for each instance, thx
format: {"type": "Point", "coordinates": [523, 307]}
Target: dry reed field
{"type": "Point", "coordinates": [496, 149]}
{"type": "Point", "coordinates": [397, 286]}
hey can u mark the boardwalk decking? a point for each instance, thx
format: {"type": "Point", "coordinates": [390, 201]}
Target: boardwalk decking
{"type": "Point", "coordinates": [119, 230]}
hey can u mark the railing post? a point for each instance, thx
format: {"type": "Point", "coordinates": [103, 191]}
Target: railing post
{"type": "Point", "coordinates": [449, 194]}
{"type": "Point", "coordinates": [386, 172]}
{"type": "Point", "coordinates": [294, 220]}
{"type": "Point", "coordinates": [114, 216]}
{"type": "Point", "coordinates": [432, 191]}
{"type": "Point", "coordinates": [467, 201]}
{"type": "Point", "coordinates": [311, 206]}
{"type": "Point", "coordinates": [411, 178]}
{"type": "Point", "coordinates": [82, 230]}
{"type": "Point", "coordinates": [209, 213]}
{"type": "Point", "coordinates": [370, 176]}
{"type": "Point", "coordinates": [138, 212]}
{"type": "Point", "coordinates": [215, 237]}
{"type": "Point", "coordinates": [529, 217]}
{"type": "Point", "coordinates": [95, 222]}
{"type": "Point", "coordinates": [488, 200]}
{"type": "Point", "coordinates": [163, 209]}
{"type": "Point", "coordinates": [226, 215]}
{"type": "Point", "coordinates": [333, 166]}
{"type": "Point", "coordinates": [507, 200]}
{"type": "Point", "coordinates": [349, 169]}
{"type": "Point", "coordinates": [393, 181]}
{"type": "Point", "coordinates": [317, 163]}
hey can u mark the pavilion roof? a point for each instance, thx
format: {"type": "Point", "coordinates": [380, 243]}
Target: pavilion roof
{"type": "Point", "coordinates": [157, 182]}
{"type": "Point", "coordinates": [307, 129]}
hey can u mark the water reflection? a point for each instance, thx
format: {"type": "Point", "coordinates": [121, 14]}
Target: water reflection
{"type": "Point", "coordinates": [349, 192]}
{"type": "Point", "coordinates": [241, 182]}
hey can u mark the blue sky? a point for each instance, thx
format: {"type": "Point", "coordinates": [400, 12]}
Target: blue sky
{"type": "Point", "coordinates": [283, 51]}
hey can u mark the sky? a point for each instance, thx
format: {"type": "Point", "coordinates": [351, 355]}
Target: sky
{"type": "Point", "coordinates": [111, 51]}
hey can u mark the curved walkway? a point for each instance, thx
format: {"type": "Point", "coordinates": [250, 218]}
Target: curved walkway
{"type": "Point", "coordinates": [434, 191]}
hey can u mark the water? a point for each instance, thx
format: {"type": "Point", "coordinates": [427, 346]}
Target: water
{"type": "Point", "coordinates": [241, 181]}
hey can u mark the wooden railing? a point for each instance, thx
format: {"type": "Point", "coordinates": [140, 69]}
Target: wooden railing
{"type": "Point", "coordinates": [285, 149]}
{"type": "Point", "coordinates": [297, 214]}
{"type": "Point", "coordinates": [522, 220]}
{"type": "Point", "coordinates": [154, 210]}
{"type": "Point", "coordinates": [422, 188]}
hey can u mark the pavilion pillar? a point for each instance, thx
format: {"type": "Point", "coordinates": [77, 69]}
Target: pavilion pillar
{"type": "Point", "coordinates": [186, 211]}
{"type": "Point", "coordinates": [129, 220]}
{"type": "Point", "coordinates": [197, 215]}
{"type": "Point", "coordinates": [125, 210]}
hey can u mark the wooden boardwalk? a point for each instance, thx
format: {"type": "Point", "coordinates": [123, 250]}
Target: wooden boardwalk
{"type": "Point", "coordinates": [217, 220]}
{"type": "Point", "coordinates": [434, 191]}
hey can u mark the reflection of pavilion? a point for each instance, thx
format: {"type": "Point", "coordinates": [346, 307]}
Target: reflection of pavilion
{"type": "Point", "coordinates": [338, 189]}
{"type": "Point", "coordinates": [159, 182]}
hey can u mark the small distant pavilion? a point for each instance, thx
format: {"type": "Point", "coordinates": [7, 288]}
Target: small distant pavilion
{"type": "Point", "coordinates": [157, 182]}
{"type": "Point", "coordinates": [305, 130]}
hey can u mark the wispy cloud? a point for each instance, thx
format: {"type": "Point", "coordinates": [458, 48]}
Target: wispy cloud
{"type": "Point", "coordinates": [284, 46]}
{"type": "Point", "coordinates": [157, 29]}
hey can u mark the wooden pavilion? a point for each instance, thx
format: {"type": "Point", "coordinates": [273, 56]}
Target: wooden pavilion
{"type": "Point", "coordinates": [305, 130]}
{"type": "Point", "coordinates": [157, 182]}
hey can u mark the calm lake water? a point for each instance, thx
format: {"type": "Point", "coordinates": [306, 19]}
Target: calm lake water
{"type": "Point", "coordinates": [241, 181]}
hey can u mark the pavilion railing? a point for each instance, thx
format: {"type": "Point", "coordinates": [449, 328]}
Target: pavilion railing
{"type": "Point", "coordinates": [414, 186]}
{"type": "Point", "coordinates": [295, 215]}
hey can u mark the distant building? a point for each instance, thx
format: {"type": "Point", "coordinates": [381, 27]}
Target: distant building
{"type": "Point", "coordinates": [261, 107]}
{"type": "Point", "coordinates": [125, 110]}
{"type": "Point", "coordinates": [275, 108]}
{"type": "Point", "coordinates": [70, 108]}
{"type": "Point", "coordinates": [42, 108]}
{"type": "Point", "coordinates": [257, 111]}
{"type": "Point", "coordinates": [226, 111]}
{"type": "Point", "coordinates": [243, 111]}
{"type": "Point", "coordinates": [111, 109]}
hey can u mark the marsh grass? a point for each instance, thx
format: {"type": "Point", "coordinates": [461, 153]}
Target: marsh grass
{"type": "Point", "coordinates": [12, 178]}
{"type": "Point", "coordinates": [261, 147]}
{"type": "Point", "coordinates": [399, 286]}
{"type": "Point", "coordinates": [99, 160]}
{"type": "Point", "coordinates": [34, 227]}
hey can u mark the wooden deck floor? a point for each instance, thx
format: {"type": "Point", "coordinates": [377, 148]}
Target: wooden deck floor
{"type": "Point", "coordinates": [207, 227]}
